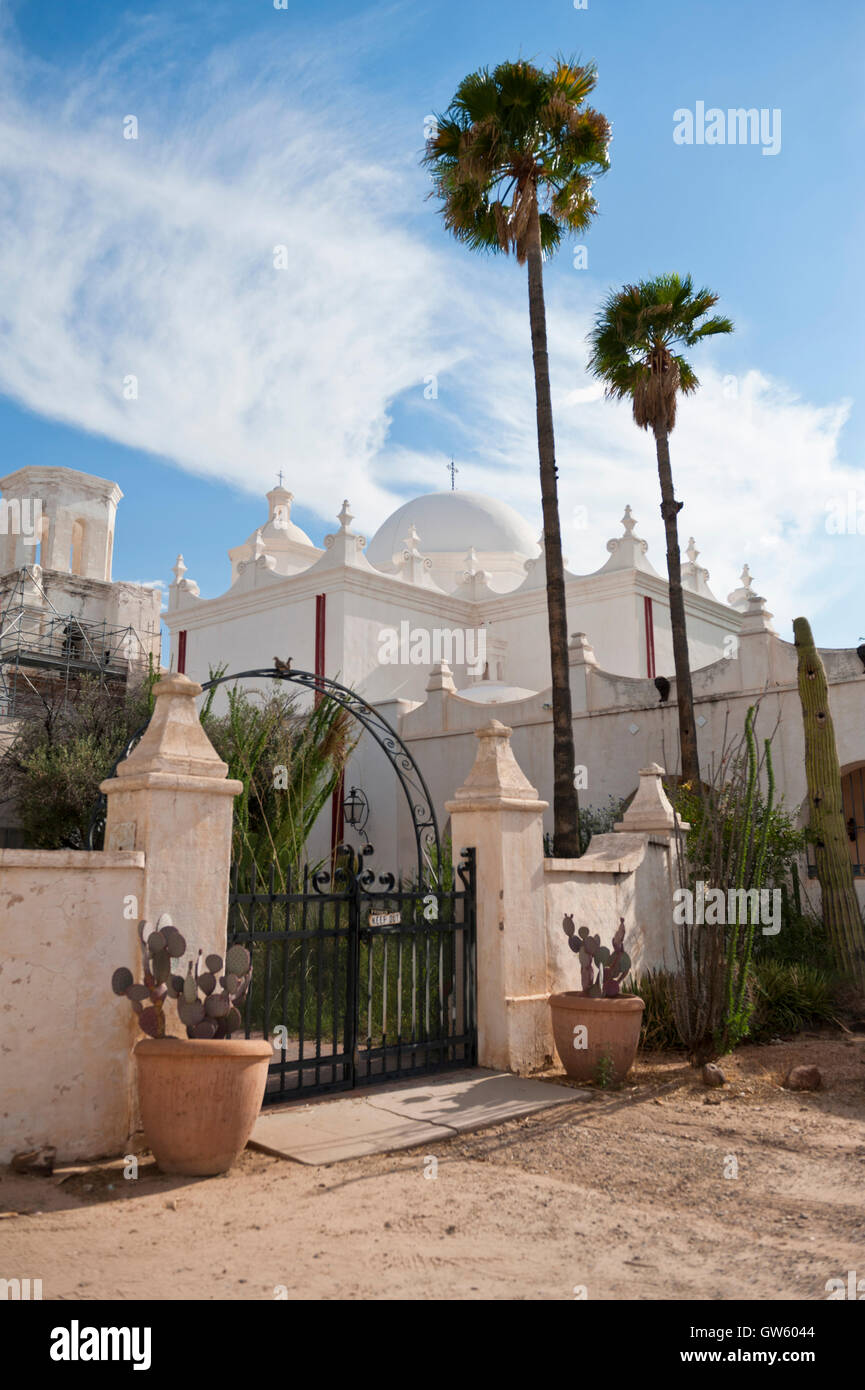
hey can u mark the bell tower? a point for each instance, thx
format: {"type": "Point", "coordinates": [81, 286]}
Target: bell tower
{"type": "Point", "coordinates": [57, 518]}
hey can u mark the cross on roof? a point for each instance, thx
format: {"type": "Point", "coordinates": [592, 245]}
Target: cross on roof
{"type": "Point", "coordinates": [453, 470]}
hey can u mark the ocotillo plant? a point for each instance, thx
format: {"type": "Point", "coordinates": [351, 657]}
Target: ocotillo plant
{"type": "Point", "coordinates": [840, 905]}
{"type": "Point", "coordinates": [740, 936]}
{"type": "Point", "coordinates": [725, 849]}
{"type": "Point", "coordinates": [602, 970]}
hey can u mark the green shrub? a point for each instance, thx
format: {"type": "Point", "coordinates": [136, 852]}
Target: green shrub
{"type": "Point", "coordinates": [659, 1032]}
{"type": "Point", "coordinates": [52, 770]}
{"type": "Point", "coordinates": [788, 997]}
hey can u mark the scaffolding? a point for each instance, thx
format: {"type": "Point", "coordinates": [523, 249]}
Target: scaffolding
{"type": "Point", "coordinates": [43, 652]}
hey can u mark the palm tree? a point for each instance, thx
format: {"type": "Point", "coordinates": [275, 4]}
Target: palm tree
{"type": "Point", "coordinates": [632, 353]}
{"type": "Point", "coordinates": [512, 160]}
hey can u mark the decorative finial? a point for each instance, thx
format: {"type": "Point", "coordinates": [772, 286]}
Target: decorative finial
{"type": "Point", "coordinates": [629, 521]}
{"type": "Point", "coordinates": [179, 569]}
{"type": "Point", "coordinates": [692, 552]}
{"type": "Point", "coordinates": [258, 548]}
{"type": "Point", "coordinates": [746, 578]}
{"type": "Point", "coordinates": [453, 470]}
{"type": "Point", "coordinates": [472, 562]}
{"type": "Point", "coordinates": [411, 540]}
{"type": "Point", "coordinates": [345, 517]}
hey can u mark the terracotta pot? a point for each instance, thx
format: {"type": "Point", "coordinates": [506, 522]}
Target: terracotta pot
{"type": "Point", "coordinates": [200, 1099]}
{"type": "Point", "coordinates": [612, 1030]}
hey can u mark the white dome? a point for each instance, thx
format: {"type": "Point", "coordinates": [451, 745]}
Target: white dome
{"type": "Point", "coordinates": [449, 524]}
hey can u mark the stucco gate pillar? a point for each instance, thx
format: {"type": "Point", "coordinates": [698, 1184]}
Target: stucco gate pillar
{"type": "Point", "coordinates": [498, 812]}
{"type": "Point", "coordinates": [171, 799]}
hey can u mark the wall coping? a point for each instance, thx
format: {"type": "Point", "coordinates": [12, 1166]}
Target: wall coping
{"type": "Point", "coordinates": [495, 803]}
{"type": "Point", "coordinates": [171, 782]}
{"type": "Point", "coordinates": [72, 859]}
{"type": "Point", "coordinates": [621, 857]}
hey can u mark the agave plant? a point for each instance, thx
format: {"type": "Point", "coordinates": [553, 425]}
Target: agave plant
{"type": "Point", "coordinates": [206, 1012]}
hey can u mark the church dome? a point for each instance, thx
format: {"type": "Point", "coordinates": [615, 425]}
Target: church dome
{"type": "Point", "coordinates": [449, 525]}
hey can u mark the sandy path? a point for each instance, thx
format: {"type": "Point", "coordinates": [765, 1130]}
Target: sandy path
{"type": "Point", "coordinates": [623, 1193]}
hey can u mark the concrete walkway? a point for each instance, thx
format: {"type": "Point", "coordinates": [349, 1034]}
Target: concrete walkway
{"type": "Point", "coordinates": [401, 1116]}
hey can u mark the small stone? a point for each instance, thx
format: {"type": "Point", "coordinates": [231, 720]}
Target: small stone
{"type": "Point", "coordinates": [712, 1075]}
{"type": "Point", "coordinates": [711, 1100]}
{"type": "Point", "coordinates": [804, 1079]}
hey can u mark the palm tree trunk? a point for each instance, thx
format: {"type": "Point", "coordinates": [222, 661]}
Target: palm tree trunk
{"type": "Point", "coordinates": [566, 837]}
{"type": "Point", "coordinates": [670, 509]}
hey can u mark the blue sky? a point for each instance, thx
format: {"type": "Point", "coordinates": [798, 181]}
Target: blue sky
{"type": "Point", "coordinates": [302, 127]}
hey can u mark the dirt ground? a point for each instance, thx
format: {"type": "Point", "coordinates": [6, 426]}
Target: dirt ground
{"type": "Point", "coordinates": [622, 1194]}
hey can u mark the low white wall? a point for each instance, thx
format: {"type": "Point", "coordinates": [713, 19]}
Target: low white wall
{"type": "Point", "coordinates": [66, 1076]}
{"type": "Point", "coordinates": [621, 875]}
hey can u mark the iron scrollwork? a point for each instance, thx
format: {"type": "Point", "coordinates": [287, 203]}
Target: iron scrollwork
{"type": "Point", "coordinates": [409, 775]}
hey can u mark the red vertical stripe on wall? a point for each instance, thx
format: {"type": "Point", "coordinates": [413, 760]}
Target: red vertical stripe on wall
{"type": "Point", "coordinates": [337, 812]}
{"type": "Point", "coordinates": [320, 635]}
{"type": "Point", "coordinates": [650, 637]}
{"type": "Point", "coordinates": [181, 653]}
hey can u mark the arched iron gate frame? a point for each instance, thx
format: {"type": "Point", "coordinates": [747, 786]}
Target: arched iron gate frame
{"type": "Point", "coordinates": [409, 775]}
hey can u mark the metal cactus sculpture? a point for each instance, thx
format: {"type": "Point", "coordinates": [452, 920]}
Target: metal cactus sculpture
{"type": "Point", "coordinates": [212, 1015]}
{"type": "Point", "coordinates": [602, 970]}
{"type": "Point", "coordinates": [834, 870]}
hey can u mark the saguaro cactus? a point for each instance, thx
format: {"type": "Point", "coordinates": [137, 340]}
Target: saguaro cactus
{"type": "Point", "coordinates": [834, 870]}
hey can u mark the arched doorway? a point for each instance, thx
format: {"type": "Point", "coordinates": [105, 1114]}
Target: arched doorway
{"type": "Point", "coordinates": [359, 975]}
{"type": "Point", "coordinates": [853, 796]}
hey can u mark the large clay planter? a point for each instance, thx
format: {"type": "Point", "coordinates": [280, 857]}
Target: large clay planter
{"type": "Point", "coordinates": [200, 1098]}
{"type": "Point", "coordinates": [612, 1029]}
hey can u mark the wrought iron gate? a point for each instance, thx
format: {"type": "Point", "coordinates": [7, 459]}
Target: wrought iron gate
{"type": "Point", "coordinates": [358, 977]}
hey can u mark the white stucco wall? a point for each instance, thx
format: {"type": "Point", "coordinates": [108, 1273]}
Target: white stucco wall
{"type": "Point", "coordinates": [66, 1074]}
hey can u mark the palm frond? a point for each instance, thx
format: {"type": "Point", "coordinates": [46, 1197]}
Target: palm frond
{"type": "Point", "coordinates": [517, 140]}
{"type": "Point", "coordinates": [633, 340]}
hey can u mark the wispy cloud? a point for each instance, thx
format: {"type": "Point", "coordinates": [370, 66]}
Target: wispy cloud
{"type": "Point", "coordinates": [153, 259]}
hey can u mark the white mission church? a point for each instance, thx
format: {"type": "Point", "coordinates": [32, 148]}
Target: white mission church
{"type": "Point", "coordinates": [440, 621]}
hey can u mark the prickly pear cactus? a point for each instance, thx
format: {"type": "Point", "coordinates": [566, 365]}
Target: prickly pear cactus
{"type": "Point", "coordinates": [602, 970]}
{"type": "Point", "coordinates": [159, 946]}
{"type": "Point", "coordinates": [208, 1012]}
{"type": "Point", "coordinates": [204, 1010]}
